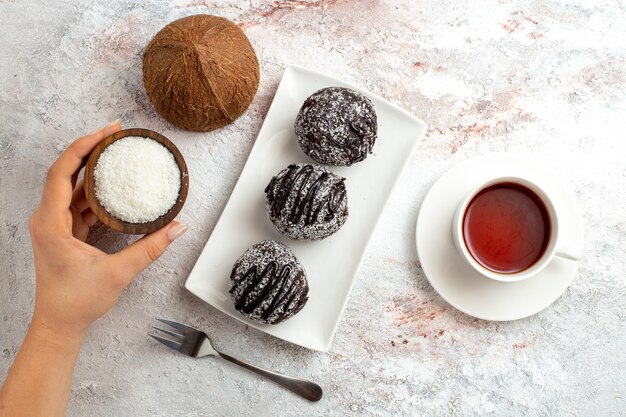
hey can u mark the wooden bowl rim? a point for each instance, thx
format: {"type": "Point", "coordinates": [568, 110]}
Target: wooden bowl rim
{"type": "Point", "coordinates": [113, 222]}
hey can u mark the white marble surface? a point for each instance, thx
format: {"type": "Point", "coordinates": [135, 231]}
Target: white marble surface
{"type": "Point", "coordinates": [545, 79]}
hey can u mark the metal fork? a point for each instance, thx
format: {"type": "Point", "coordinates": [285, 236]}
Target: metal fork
{"type": "Point", "coordinates": [192, 342]}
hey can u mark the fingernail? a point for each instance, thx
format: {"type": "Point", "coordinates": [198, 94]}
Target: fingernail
{"type": "Point", "coordinates": [176, 231]}
{"type": "Point", "coordinates": [93, 132]}
{"type": "Point", "coordinates": [112, 123]}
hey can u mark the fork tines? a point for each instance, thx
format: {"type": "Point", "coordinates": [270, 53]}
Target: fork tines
{"type": "Point", "coordinates": [178, 326]}
{"type": "Point", "coordinates": [177, 342]}
{"type": "Point", "coordinates": [169, 343]}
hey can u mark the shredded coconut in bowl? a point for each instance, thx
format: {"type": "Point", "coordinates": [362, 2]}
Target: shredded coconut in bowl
{"type": "Point", "coordinates": [137, 179]}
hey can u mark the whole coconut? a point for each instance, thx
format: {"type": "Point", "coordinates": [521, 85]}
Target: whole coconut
{"type": "Point", "coordinates": [200, 72]}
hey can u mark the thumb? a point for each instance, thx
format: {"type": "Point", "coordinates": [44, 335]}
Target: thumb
{"type": "Point", "coordinates": [138, 256]}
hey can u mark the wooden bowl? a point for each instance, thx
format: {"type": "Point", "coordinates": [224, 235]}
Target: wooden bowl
{"type": "Point", "coordinates": [120, 225]}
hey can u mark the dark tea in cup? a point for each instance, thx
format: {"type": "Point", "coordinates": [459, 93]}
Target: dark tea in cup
{"type": "Point", "coordinates": [506, 227]}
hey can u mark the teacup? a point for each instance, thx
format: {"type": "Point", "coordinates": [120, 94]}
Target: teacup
{"type": "Point", "coordinates": [507, 229]}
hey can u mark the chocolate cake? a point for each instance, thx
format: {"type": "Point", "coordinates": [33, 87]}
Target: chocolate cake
{"type": "Point", "coordinates": [307, 201]}
{"type": "Point", "coordinates": [268, 283]}
{"type": "Point", "coordinates": [337, 126]}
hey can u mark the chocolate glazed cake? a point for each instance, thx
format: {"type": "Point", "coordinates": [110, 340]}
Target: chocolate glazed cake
{"type": "Point", "coordinates": [337, 126]}
{"type": "Point", "coordinates": [307, 201]}
{"type": "Point", "coordinates": [268, 283]}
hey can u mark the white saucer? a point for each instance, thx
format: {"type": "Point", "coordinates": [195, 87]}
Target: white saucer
{"type": "Point", "coordinates": [457, 282]}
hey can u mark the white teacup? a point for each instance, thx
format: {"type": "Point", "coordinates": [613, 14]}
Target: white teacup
{"type": "Point", "coordinates": [554, 246]}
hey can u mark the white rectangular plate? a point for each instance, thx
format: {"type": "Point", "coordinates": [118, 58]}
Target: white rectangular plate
{"type": "Point", "coordinates": [331, 264]}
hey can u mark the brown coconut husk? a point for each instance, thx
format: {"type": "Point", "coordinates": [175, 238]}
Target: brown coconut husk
{"type": "Point", "coordinates": [200, 72]}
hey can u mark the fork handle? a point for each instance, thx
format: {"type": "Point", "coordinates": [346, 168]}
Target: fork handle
{"type": "Point", "coordinates": [306, 389]}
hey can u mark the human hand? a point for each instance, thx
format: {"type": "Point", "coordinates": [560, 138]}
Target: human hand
{"type": "Point", "coordinates": [76, 282]}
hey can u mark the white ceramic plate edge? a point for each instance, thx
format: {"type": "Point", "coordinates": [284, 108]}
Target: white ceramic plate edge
{"type": "Point", "coordinates": [289, 70]}
{"type": "Point", "coordinates": [401, 170]}
{"type": "Point", "coordinates": [193, 289]}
